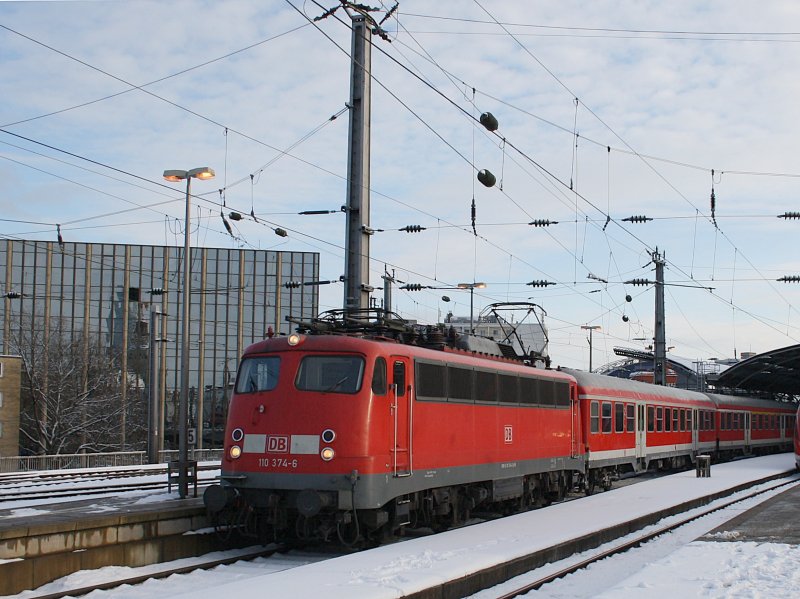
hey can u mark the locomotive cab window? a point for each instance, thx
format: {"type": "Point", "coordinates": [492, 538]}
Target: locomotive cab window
{"type": "Point", "coordinates": [258, 374]}
{"type": "Point", "coordinates": [330, 374]}
{"type": "Point", "coordinates": [379, 376]}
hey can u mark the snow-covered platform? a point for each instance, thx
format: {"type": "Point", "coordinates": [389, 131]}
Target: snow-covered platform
{"type": "Point", "coordinates": [777, 520]}
{"type": "Point", "coordinates": [420, 566]}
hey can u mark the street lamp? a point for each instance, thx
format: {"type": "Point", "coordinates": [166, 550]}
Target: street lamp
{"type": "Point", "coordinates": [203, 172]}
{"type": "Point", "coordinates": [590, 328]}
{"type": "Point", "coordinates": [472, 287]}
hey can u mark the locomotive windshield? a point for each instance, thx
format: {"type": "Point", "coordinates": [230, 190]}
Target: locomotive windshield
{"type": "Point", "coordinates": [330, 374]}
{"type": "Point", "coordinates": [258, 374]}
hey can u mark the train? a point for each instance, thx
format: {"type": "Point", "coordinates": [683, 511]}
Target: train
{"type": "Point", "coordinates": [797, 441]}
{"type": "Point", "coordinates": [358, 436]}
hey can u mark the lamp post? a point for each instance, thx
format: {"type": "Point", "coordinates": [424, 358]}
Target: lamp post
{"type": "Point", "coordinates": [472, 287]}
{"type": "Point", "coordinates": [203, 172]}
{"type": "Point", "coordinates": [590, 328]}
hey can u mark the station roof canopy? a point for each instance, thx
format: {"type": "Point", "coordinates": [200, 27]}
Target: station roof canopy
{"type": "Point", "coordinates": [776, 371]}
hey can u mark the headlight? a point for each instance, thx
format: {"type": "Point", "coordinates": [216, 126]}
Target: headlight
{"type": "Point", "coordinates": [327, 453]}
{"type": "Point", "coordinates": [234, 452]}
{"type": "Point", "coordinates": [295, 339]}
{"type": "Point", "coordinates": [328, 435]}
{"type": "Point", "coordinates": [237, 434]}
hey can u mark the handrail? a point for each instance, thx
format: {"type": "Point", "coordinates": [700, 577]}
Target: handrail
{"type": "Point", "coordinates": [97, 460]}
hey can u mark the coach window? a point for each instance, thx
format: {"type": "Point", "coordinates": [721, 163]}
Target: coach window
{"type": "Point", "coordinates": [667, 419]}
{"type": "Point", "coordinates": [688, 420]}
{"type": "Point", "coordinates": [606, 417]}
{"type": "Point", "coordinates": [659, 419]}
{"type": "Point", "coordinates": [651, 419]}
{"type": "Point", "coordinates": [379, 377]}
{"type": "Point", "coordinates": [683, 420]}
{"type": "Point", "coordinates": [675, 419]}
{"type": "Point", "coordinates": [619, 417]}
{"type": "Point", "coordinates": [630, 415]}
{"type": "Point", "coordinates": [594, 420]}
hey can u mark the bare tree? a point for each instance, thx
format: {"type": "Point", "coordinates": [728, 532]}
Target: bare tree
{"type": "Point", "coordinates": [71, 390]}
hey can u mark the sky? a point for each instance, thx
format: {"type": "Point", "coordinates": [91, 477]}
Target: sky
{"type": "Point", "coordinates": [691, 561]}
{"type": "Point", "coordinates": [607, 110]}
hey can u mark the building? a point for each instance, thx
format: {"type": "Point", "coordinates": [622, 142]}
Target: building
{"type": "Point", "coordinates": [104, 294]}
{"type": "Point", "coordinates": [9, 405]}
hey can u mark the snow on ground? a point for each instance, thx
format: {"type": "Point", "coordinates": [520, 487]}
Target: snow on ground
{"type": "Point", "coordinates": [674, 569]}
{"type": "Point", "coordinates": [704, 569]}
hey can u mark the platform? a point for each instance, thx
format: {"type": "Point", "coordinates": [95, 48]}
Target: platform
{"type": "Point", "coordinates": [776, 520]}
{"type": "Point", "coordinates": [42, 543]}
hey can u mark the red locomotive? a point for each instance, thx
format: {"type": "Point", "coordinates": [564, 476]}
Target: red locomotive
{"type": "Point", "coordinates": [357, 436]}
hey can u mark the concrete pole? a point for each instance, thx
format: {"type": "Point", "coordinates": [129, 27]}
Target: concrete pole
{"type": "Point", "coordinates": [356, 284]}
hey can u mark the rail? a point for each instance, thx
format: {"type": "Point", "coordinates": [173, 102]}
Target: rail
{"type": "Point", "coordinates": [98, 460]}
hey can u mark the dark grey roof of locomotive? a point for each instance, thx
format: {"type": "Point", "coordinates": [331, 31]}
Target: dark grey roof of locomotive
{"type": "Point", "coordinates": [776, 371]}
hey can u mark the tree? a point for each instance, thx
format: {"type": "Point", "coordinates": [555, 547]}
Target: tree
{"type": "Point", "coordinates": [71, 391]}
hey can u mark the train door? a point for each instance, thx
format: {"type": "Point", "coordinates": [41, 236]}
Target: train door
{"type": "Point", "coordinates": [746, 427]}
{"type": "Point", "coordinates": [401, 393]}
{"type": "Point", "coordinates": [695, 429]}
{"type": "Point", "coordinates": [641, 431]}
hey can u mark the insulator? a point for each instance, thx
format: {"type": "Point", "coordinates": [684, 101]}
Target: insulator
{"type": "Point", "coordinates": [639, 218]}
{"type": "Point", "coordinates": [157, 291]}
{"type": "Point", "coordinates": [413, 228]}
{"type": "Point", "coordinates": [281, 232]}
{"type": "Point", "coordinates": [489, 121]}
{"type": "Point", "coordinates": [234, 216]}
{"type": "Point", "coordinates": [540, 283]}
{"type": "Point", "coordinates": [13, 295]}
{"type": "Point", "coordinates": [639, 282]}
{"type": "Point", "coordinates": [412, 287]}
{"type": "Point", "coordinates": [486, 178]}
{"type": "Point", "coordinates": [789, 215]}
{"type": "Point", "coordinates": [628, 298]}
{"type": "Point", "coordinates": [543, 222]}
{"type": "Point", "coordinates": [308, 212]}
{"type": "Point", "coordinates": [291, 285]}
{"type": "Point", "coordinates": [790, 279]}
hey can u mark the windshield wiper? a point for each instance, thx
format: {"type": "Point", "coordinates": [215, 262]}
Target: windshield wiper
{"type": "Point", "coordinates": [336, 384]}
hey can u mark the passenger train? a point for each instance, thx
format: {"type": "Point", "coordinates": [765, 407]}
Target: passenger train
{"type": "Point", "coordinates": [355, 437]}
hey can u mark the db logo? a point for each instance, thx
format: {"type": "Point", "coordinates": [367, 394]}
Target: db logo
{"type": "Point", "coordinates": [508, 435]}
{"type": "Point", "coordinates": [277, 444]}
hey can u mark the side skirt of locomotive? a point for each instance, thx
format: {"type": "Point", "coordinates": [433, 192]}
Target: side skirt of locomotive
{"type": "Point", "coordinates": [359, 510]}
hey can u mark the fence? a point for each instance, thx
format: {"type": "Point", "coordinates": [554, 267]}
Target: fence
{"type": "Point", "coordinates": [98, 460]}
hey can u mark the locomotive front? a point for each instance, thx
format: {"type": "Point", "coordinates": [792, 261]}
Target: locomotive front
{"type": "Point", "coordinates": [298, 440]}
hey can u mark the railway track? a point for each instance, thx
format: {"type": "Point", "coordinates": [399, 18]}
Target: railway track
{"type": "Point", "coordinates": [277, 561]}
{"type": "Point", "coordinates": [641, 539]}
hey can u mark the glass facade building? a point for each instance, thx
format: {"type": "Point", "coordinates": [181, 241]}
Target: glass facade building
{"type": "Point", "coordinates": [106, 292]}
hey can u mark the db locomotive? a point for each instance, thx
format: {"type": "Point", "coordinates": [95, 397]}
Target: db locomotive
{"type": "Point", "coordinates": [356, 437]}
